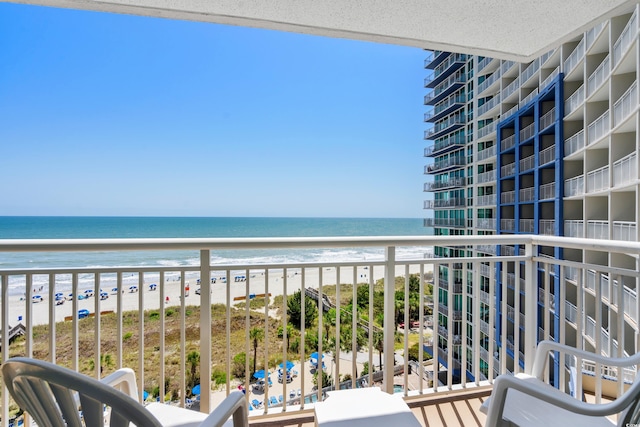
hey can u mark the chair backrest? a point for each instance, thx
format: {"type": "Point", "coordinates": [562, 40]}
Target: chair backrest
{"type": "Point", "coordinates": [58, 397]}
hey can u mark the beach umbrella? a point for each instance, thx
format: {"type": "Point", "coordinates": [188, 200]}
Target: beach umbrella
{"type": "Point", "coordinates": [196, 389]}
{"type": "Point", "coordinates": [145, 394]}
{"type": "Point", "coordinates": [288, 363]}
{"type": "Point", "coordinates": [314, 355]}
{"type": "Point", "coordinates": [259, 374]}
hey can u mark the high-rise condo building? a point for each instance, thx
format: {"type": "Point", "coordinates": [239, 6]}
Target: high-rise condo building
{"type": "Point", "coordinates": [547, 147]}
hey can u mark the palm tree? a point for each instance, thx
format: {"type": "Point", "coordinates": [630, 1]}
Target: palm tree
{"type": "Point", "coordinates": [256, 334]}
{"type": "Point", "coordinates": [378, 344]}
{"type": "Point", "coordinates": [193, 359]}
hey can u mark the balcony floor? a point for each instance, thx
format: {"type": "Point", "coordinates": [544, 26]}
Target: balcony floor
{"type": "Point", "coordinates": [456, 408]}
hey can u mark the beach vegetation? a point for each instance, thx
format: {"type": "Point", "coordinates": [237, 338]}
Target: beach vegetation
{"type": "Point", "coordinates": [218, 376]}
{"type": "Point", "coordinates": [326, 380]}
{"type": "Point", "coordinates": [255, 335]}
{"type": "Point", "coordinates": [127, 336]}
{"type": "Point", "coordinates": [294, 310]}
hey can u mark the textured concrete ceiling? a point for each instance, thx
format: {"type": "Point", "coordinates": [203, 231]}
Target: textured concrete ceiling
{"type": "Point", "coordinates": [509, 29]}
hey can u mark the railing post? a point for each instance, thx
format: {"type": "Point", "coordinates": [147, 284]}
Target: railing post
{"type": "Point", "coordinates": [530, 308]}
{"type": "Point", "coordinates": [205, 331]}
{"type": "Point", "coordinates": [389, 320]}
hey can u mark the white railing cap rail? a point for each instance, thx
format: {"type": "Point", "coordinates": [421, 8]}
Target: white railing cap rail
{"type": "Point", "coordinates": [66, 245]}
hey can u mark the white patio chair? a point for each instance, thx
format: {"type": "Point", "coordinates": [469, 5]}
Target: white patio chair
{"type": "Point", "coordinates": [526, 400]}
{"type": "Point", "coordinates": [57, 397]}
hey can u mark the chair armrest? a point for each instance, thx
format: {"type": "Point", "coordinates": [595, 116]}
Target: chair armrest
{"type": "Point", "coordinates": [124, 380]}
{"type": "Point", "coordinates": [551, 395]}
{"type": "Point", "coordinates": [544, 347]}
{"type": "Point", "coordinates": [234, 404]}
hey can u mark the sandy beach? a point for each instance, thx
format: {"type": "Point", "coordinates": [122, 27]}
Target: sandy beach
{"type": "Point", "coordinates": [152, 297]}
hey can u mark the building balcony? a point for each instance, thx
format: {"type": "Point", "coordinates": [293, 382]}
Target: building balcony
{"type": "Point", "coordinates": [435, 58]}
{"type": "Point", "coordinates": [454, 202]}
{"type": "Point", "coordinates": [450, 65]}
{"type": "Point", "coordinates": [445, 184]}
{"type": "Point", "coordinates": [450, 164]}
{"type": "Point", "coordinates": [149, 306]}
{"type": "Point", "coordinates": [444, 127]}
{"type": "Point", "coordinates": [446, 107]}
{"type": "Point", "coordinates": [445, 222]}
{"type": "Point", "coordinates": [446, 88]}
{"type": "Point", "coordinates": [445, 145]}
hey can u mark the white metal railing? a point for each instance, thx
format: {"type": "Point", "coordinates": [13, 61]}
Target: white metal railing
{"type": "Point", "coordinates": [599, 127]}
{"type": "Point", "coordinates": [593, 34]}
{"type": "Point", "coordinates": [627, 104]}
{"type": "Point", "coordinates": [547, 118]}
{"type": "Point", "coordinates": [597, 229]}
{"type": "Point", "coordinates": [487, 200]}
{"type": "Point", "coordinates": [508, 197]}
{"type": "Point", "coordinates": [625, 170]}
{"type": "Point", "coordinates": [529, 97]}
{"type": "Point", "coordinates": [485, 177]}
{"type": "Point", "coordinates": [510, 112]}
{"type": "Point", "coordinates": [626, 38]}
{"type": "Point", "coordinates": [575, 57]}
{"type": "Point", "coordinates": [574, 186]}
{"type": "Point", "coordinates": [488, 129]}
{"type": "Point", "coordinates": [574, 143]}
{"type": "Point", "coordinates": [527, 131]}
{"type": "Point", "coordinates": [486, 153]}
{"type": "Point", "coordinates": [547, 227]}
{"type": "Point", "coordinates": [624, 230]}
{"type": "Point", "coordinates": [598, 180]}
{"type": "Point", "coordinates": [508, 142]}
{"type": "Point", "coordinates": [234, 319]}
{"type": "Point", "coordinates": [511, 87]}
{"type": "Point", "coordinates": [508, 170]}
{"type": "Point", "coordinates": [550, 78]}
{"type": "Point", "coordinates": [547, 191]}
{"type": "Point", "coordinates": [527, 194]}
{"type": "Point", "coordinates": [530, 70]}
{"type": "Point", "coordinates": [508, 224]}
{"type": "Point", "coordinates": [526, 226]}
{"type": "Point", "coordinates": [599, 76]}
{"type": "Point", "coordinates": [547, 155]}
{"type": "Point", "coordinates": [527, 163]}
{"type": "Point", "coordinates": [574, 101]}
{"type": "Point", "coordinates": [486, 223]}
{"type": "Point", "coordinates": [489, 105]}
{"type": "Point", "coordinates": [489, 81]}
{"type": "Point", "coordinates": [574, 228]}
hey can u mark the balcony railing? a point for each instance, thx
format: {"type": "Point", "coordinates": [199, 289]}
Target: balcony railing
{"type": "Point", "coordinates": [625, 170]}
{"type": "Point", "coordinates": [547, 155]}
{"type": "Point", "coordinates": [597, 229]}
{"type": "Point", "coordinates": [508, 170]}
{"type": "Point", "coordinates": [574, 186]}
{"type": "Point", "coordinates": [486, 153]}
{"type": "Point", "coordinates": [507, 142]}
{"type": "Point", "coordinates": [574, 101]}
{"type": "Point", "coordinates": [599, 127]}
{"type": "Point", "coordinates": [508, 197]}
{"type": "Point", "coordinates": [574, 143]}
{"type": "Point", "coordinates": [626, 38]}
{"type": "Point", "coordinates": [529, 97]}
{"type": "Point", "coordinates": [548, 118]}
{"type": "Point", "coordinates": [627, 103]}
{"type": "Point", "coordinates": [574, 228]}
{"type": "Point", "coordinates": [599, 76]}
{"type": "Point", "coordinates": [547, 191]}
{"type": "Point", "coordinates": [527, 132]}
{"type": "Point", "coordinates": [598, 180]}
{"type": "Point", "coordinates": [487, 200]}
{"type": "Point", "coordinates": [574, 58]}
{"type": "Point", "coordinates": [225, 326]}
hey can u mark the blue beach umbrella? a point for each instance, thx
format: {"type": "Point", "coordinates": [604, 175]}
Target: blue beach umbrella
{"type": "Point", "coordinates": [196, 389]}
{"type": "Point", "coordinates": [145, 394]}
{"type": "Point", "coordinates": [259, 374]}
{"type": "Point", "coordinates": [288, 363]}
{"type": "Point", "coordinates": [314, 355]}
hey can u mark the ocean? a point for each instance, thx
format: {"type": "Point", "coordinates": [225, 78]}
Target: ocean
{"type": "Point", "coordinates": [41, 227]}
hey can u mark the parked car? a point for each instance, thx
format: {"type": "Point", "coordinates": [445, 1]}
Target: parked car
{"type": "Point", "coordinates": [83, 313]}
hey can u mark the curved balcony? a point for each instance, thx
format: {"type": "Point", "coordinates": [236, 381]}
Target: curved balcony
{"type": "Point", "coordinates": [445, 145]}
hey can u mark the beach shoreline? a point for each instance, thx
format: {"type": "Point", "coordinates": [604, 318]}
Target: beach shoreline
{"type": "Point", "coordinates": [151, 295]}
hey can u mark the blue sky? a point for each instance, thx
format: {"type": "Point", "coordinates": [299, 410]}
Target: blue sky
{"type": "Point", "coordinates": [106, 114]}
